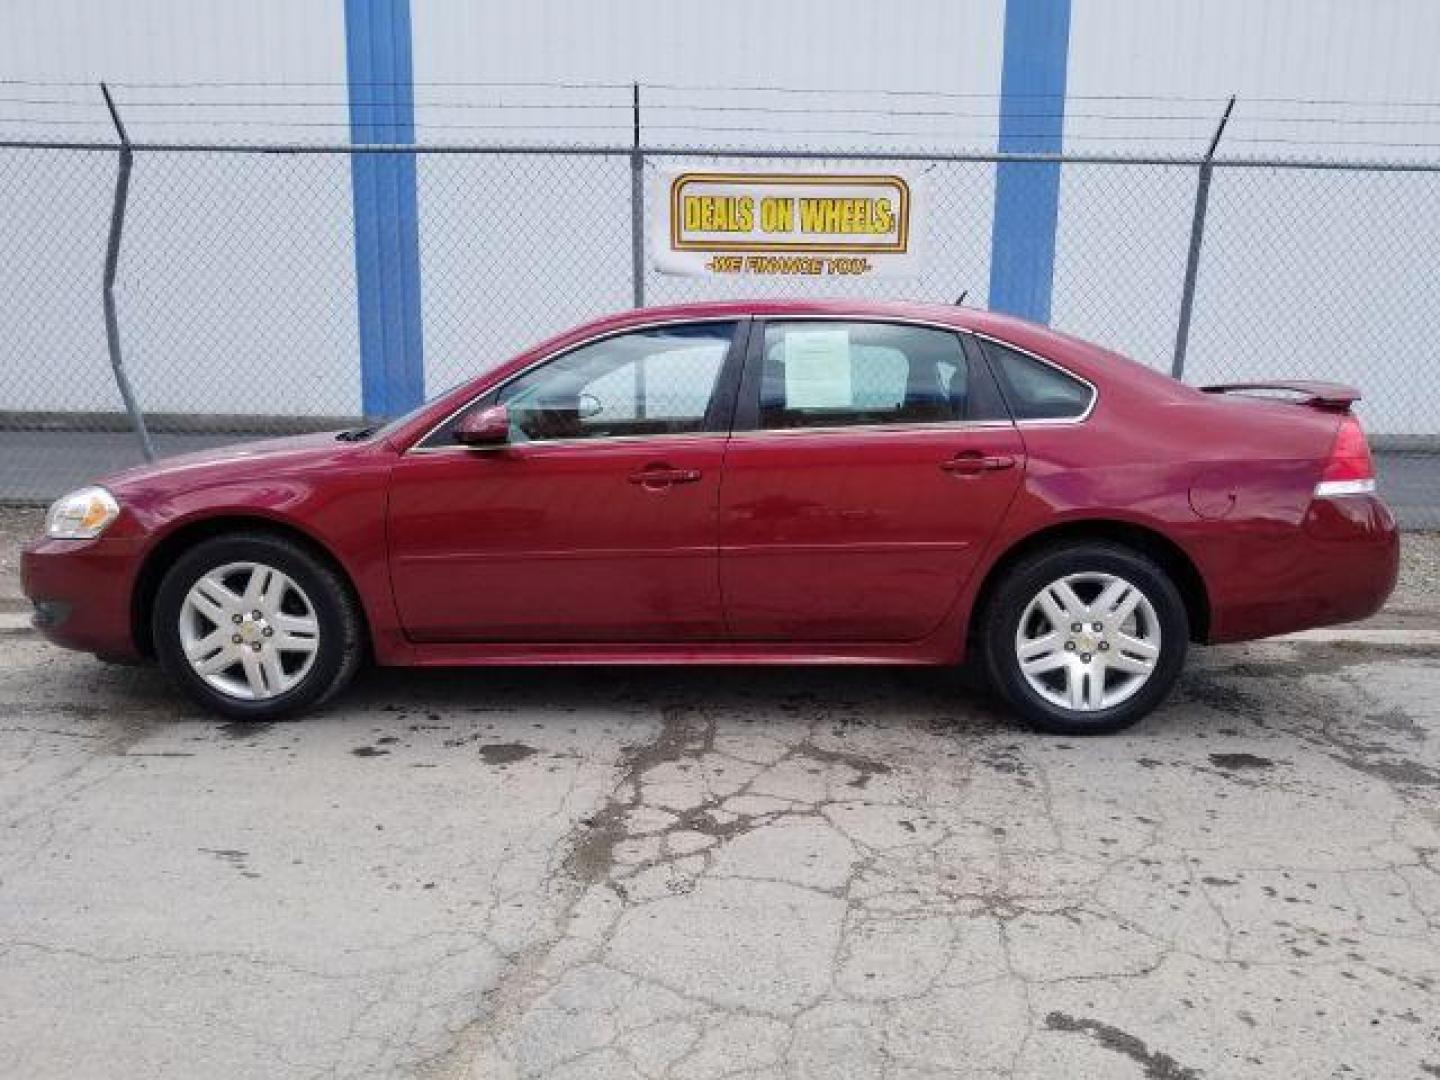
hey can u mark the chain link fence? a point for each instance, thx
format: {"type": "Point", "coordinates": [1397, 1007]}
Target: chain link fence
{"type": "Point", "coordinates": [235, 285]}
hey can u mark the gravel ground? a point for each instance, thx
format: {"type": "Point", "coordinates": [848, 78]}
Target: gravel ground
{"type": "Point", "coordinates": [17, 527]}
{"type": "Point", "coordinates": [1419, 587]}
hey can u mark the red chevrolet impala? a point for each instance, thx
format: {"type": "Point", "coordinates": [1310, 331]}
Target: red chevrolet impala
{"type": "Point", "coordinates": [817, 483]}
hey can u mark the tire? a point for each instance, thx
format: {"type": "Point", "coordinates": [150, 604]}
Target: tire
{"type": "Point", "coordinates": [305, 647]}
{"type": "Point", "coordinates": [1090, 682]}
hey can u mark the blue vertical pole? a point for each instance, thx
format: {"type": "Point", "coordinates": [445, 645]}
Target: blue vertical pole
{"type": "Point", "coordinates": [1032, 120]}
{"type": "Point", "coordinates": [387, 232]}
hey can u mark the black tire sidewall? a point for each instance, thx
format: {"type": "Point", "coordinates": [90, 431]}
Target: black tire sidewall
{"type": "Point", "coordinates": [1021, 584]}
{"type": "Point", "coordinates": [326, 595]}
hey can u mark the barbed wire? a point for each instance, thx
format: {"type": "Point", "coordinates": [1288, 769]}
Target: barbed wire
{"type": "Point", "coordinates": [808, 122]}
{"type": "Point", "coordinates": [1245, 115]}
{"type": "Point", "coordinates": [719, 87]}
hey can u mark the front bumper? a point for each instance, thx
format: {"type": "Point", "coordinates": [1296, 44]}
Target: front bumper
{"type": "Point", "coordinates": [81, 590]}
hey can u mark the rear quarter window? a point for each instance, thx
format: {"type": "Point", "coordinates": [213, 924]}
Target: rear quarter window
{"type": "Point", "coordinates": [1036, 390]}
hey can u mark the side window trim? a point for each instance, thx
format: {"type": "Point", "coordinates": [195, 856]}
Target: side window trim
{"type": "Point", "coordinates": [982, 370]}
{"type": "Point", "coordinates": [718, 415]}
{"type": "Point", "coordinates": [746, 416]}
{"type": "Point", "coordinates": [747, 409]}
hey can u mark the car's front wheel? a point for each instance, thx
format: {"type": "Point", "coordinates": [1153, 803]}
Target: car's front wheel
{"type": "Point", "coordinates": [1085, 638]}
{"type": "Point", "coordinates": [254, 626]}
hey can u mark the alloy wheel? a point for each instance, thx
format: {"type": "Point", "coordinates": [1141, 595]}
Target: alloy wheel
{"type": "Point", "coordinates": [249, 631]}
{"type": "Point", "coordinates": [1088, 642]}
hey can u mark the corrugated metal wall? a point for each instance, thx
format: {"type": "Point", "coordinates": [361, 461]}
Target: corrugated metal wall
{"type": "Point", "coordinates": [215, 46]}
{"type": "Point", "coordinates": [1142, 76]}
{"type": "Point", "coordinates": [210, 324]}
{"type": "Point", "coordinates": [1303, 274]}
{"type": "Point", "coordinates": [590, 54]}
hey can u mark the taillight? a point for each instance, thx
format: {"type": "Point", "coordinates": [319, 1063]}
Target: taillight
{"type": "Point", "coordinates": [1350, 471]}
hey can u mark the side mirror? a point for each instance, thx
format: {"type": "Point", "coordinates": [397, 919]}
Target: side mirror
{"type": "Point", "coordinates": [487, 427]}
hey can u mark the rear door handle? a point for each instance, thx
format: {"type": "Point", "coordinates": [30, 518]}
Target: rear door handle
{"type": "Point", "coordinates": [658, 476]}
{"type": "Point", "coordinates": [973, 462]}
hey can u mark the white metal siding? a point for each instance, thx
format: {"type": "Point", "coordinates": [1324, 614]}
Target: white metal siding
{"type": "Point", "coordinates": [563, 226]}
{"type": "Point", "coordinates": [236, 284]}
{"type": "Point", "coordinates": [1302, 274]}
{"type": "Point", "coordinates": [236, 266]}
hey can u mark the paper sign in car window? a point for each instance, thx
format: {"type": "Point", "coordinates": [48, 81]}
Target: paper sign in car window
{"type": "Point", "coordinates": [817, 369]}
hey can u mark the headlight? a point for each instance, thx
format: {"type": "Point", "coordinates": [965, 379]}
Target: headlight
{"type": "Point", "coordinates": [81, 515]}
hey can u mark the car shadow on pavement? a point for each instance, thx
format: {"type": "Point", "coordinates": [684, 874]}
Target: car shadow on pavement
{"type": "Point", "coordinates": [925, 697]}
{"type": "Point", "coordinates": [1223, 691]}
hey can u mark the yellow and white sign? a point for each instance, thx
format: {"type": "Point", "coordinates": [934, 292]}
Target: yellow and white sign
{"type": "Point", "coordinates": [784, 224]}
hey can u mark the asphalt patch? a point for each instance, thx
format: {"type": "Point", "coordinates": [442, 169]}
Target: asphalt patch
{"type": "Point", "coordinates": [1157, 1066]}
{"type": "Point", "coordinates": [244, 729]}
{"type": "Point", "coordinates": [1237, 762]}
{"type": "Point", "coordinates": [506, 753]}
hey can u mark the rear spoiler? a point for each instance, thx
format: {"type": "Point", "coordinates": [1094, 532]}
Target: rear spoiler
{"type": "Point", "coordinates": [1333, 397]}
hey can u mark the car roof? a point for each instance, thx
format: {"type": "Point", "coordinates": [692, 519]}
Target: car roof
{"type": "Point", "coordinates": [1008, 328]}
{"type": "Point", "coordinates": [891, 309]}
{"type": "Point", "coordinates": [1085, 358]}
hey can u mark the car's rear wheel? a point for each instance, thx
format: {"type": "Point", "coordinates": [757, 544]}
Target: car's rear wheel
{"type": "Point", "coordinates": [1085, 638]}
{"type": "Point", "coordinates": [254, 626]}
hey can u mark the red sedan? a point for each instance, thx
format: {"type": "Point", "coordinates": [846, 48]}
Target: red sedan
{"type": "Point", "coordinates": [752, 483]}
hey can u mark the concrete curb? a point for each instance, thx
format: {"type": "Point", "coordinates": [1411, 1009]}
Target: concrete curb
{"type": "Point", "coordinates": [15, 624]}
{"type": "Point", "coordinates": [1427, 635]}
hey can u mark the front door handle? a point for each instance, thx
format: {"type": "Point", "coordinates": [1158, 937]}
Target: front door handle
{"type": "Point", "coordinates": [662, 476]}
{"type": "Point", "coordinates": [973, 462]}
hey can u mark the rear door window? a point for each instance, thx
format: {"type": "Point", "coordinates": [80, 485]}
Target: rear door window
{"type": "Point", "coordinates": [834, 373]}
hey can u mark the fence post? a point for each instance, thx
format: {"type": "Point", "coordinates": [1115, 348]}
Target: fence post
{"type": "Point", "coordinates": [637, 203]}
{"type": "Point", "coordinates": [112, 264]}
{"type": "Point", "coordinates": [1197, 237]}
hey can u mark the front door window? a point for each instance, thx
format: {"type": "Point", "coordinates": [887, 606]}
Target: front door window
{"type": "Point", "coordinates": [660, 381]}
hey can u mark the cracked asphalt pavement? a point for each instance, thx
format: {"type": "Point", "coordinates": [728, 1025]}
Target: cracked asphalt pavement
{"type": "Point", "coordinates": [728, 873]}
